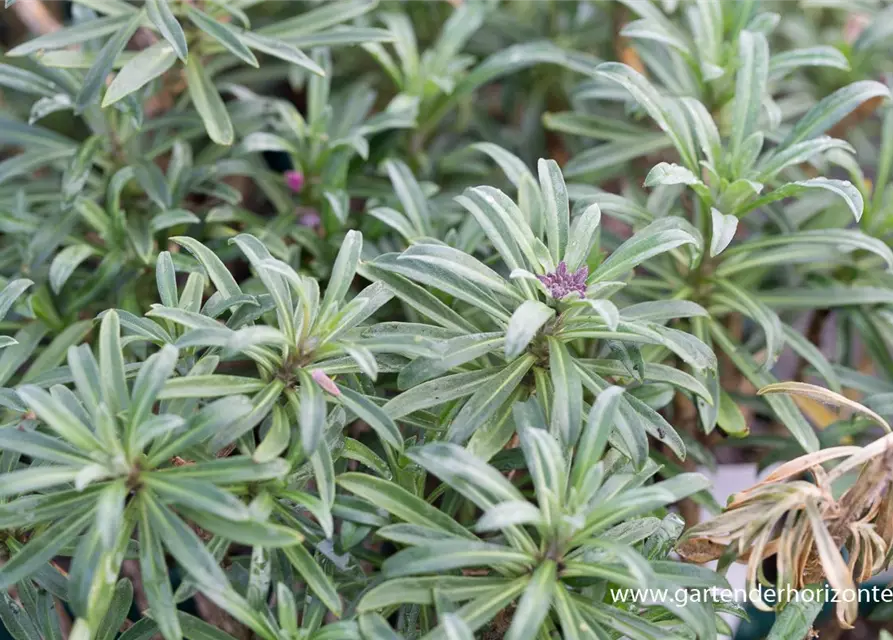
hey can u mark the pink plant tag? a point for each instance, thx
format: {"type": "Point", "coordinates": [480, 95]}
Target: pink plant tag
{"type": "Point", "coordinates": [325, 382]}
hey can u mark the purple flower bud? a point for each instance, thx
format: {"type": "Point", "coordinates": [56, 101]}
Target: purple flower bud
{"type": "Point", "coordinates": [308, 217]}
{"type": "Point", "coordinates": [561, 282]}
{"type": "Point", "coordinates": [320, 377]}
{"type": "Point", "coordinates": [294, 180]}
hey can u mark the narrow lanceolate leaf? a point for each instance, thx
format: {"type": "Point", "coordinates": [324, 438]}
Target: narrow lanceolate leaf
{"type": "Point", "coordinates": [149, 382]}
{"type": "Point", "coordinates": [41, 447]}
{"type": "Point", "coordinates": [172, 218]}
{"type": "Point", "coordinates": [140, 70]}
{"type": "Point", "coordinates": [583, 235]}
{"type": "Point", "coordinates": [68, 36]}
{"type": "Point", "coordinates": [373, 415]}
{"type": "Point", "coordinates": [667, 173]}
{"type": "Point", "coordinates": [825, 396]}
{"type": "Point", "coordinates": [208, 103]}
{"type": "Point", "coordinates": [750, 86]}
{"type": "Point", "coordinates": [447, 555]}
{"type": "Point", "coordinates": [724, 227]}
{"type": "Point", "coordinates": [457, 351]}
{"type": "Point", "coordinates": [792, 155]}
{"type": "Point", "coordinates": [524, 324]}
{"type": "Point", "coordinates": [185, 545]}
{"type": "Point", "coordinates": [813, 355]}
{"type": "Point", "coordinates": [509, 514]}
{"type": "Point", "coordinates": [848, 240]}
{"type": "Point", "coordinates": [488, 398]}
{"type": "Point", "coordinates": [783, 406]}
{"type": "Point", "coordinates": [110, 512]}
{"type": "Point", "coordinates": [408, 191]}
{"type": "Point", "coordinates": [319, 19]}
{"type": "Point", "coordinates": [398, 501]}
{"type": "Point", "coordinates": [15, 619]}
{"type": "Point", "coordinates": [11, 292]}
{"type": "Point", "coordinates": [661, 109]}
{"type": "Point", "coordinates": [222, 33]}
{"type": "Point", "coordinates": [504, 224]}
{"type": "Point", "coordinates": [438, 391]}
{"type": "Point", "coordinates": [455, 628]}
{"type": "Point", "coordinates": [557, 212]}
{"type": "Point", "coordinates": [821, 56]}
{"type": "Point", "coordinates": [850, 194]}
{"type": "Point", "coordinates": [311, 412]}
{"type": "Point", "coordinates": [417, 297]}
{"type": "Point", "coordinates": [58, 418]}
{"type": "Point", "coordinates": [458, 263]}
{"type": "Point", "coordinates": [373, 626]}
{"type": "Point", "coordinates": [741, 300]}
{"type": "Point", "coordinates": [42, 547]}
{"type": "Point", "coordinates": [319, 582]}
{"type": "Point", "coordinates": [659, 236]}
{"type": "Point", "coordinates": [544, 457]}
{"type": "Point", "coordinates": [209, 386]}
{"type": "Point", "coordinates": [105, 62]}
{"type": "Point", "coordinates": [535, 603]}
{"type": "Point", "coordinates": [465, 472]}
{"type": "Point", "coordinates": [512, 166]}
{"type": "Point", "coordinates": [78, 170]}
{"type": "Point", "coordinates": [216, 270]}
{"type": "Point", "coordinates": [567, 403]}
{"type": "Point", "coordinates": [343, 271]}
{"type": "Point", "coordinates": [834, 108]}
{"type": "Point", "coordinates": [163, 18]}
{"type": "Point", "coordinates": [609, 156]}
{"type": "Point", "coordinates": [281, 50]}
{"type": "Point", "coordinates": [797, 618]}
{"type": "Point", "coordinates": [595, 434]}
{"type": "Point", "coordinates": [729, 416]}
{"type": "Point", "coordinates": [65, 263]}
{"type": "Point", "coordinates": [421, 590]}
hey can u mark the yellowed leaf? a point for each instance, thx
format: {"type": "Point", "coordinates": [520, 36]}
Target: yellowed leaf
{"type": "Point", "coordinates": [826, 396]}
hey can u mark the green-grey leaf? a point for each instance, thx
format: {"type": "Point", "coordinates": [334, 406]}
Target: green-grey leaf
{"type": "Point", "coordinates": [750, 86]}
{"type": "Point", "coordinates": [833, 108]}
{"type": "Point", "coordinates": [105, 61]}
{"type": "Point", "coordinates": [140, 70]}
{"type": "Point", "coordinates": [488, 398]}
{"type": "Point", "coordinates": [162, 17]}
{"type": "Point", "coordinates": [208, 102]}
{"type": "Point", "coordinates": [227, 36]}
{"type": "Point", "coordinates": [524, 324]}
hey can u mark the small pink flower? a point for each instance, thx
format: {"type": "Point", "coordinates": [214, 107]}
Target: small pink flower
{"type": "Point", "coordinates": [320, 377]}
{"type": "Point", "coordinates": [294, 180]}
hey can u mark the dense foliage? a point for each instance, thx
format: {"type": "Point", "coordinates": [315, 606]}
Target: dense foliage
{"type": "Point", "coordinates": [356, 320]}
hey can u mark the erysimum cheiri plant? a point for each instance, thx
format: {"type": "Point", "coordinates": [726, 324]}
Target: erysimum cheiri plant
{"type": "Point", "coordinates": [516, 335]}
{"type": "Point", "coordinates": [582, 530]}
{"type": "Point", "coordinates": [97, 484]}
{"type": "Point", "coordinates": [298, 339]}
